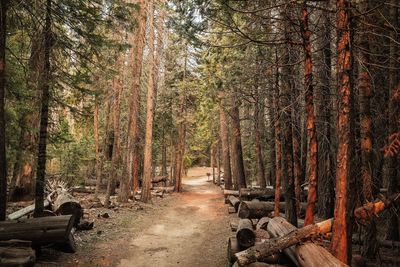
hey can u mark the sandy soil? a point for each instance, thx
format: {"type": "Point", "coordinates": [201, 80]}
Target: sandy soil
{"type": "Point", "coordinates": [186, 229]}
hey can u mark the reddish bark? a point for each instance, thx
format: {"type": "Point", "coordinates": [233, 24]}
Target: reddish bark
{"type": "Point", "coordinates": [312, 152]}
{"type": "Point", "coordinates": [226, 161]}
{"type": "Point", "coordinates": [341, 238]}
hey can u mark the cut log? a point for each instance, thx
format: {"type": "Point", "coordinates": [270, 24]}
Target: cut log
{"type": "Point", "coordinates": [41, 231]}
{"type": "Point", "coordinates": [245, 235]}
{"type": "Point", "coordinates": [235, 202]}
{"type": "Point", "coordinates": [307, 254]}
{"type": "Point", "coordinates": [259, 209]}
{"type": "Point", "coordinates": [22, 212]}
{"type": "Point", "coordinates": [312, 255]}
{"type": "Point", "coordinates": [255, 192]}
{"type": "Point", "coordinates": [260, 264]}
{"type": "Point", "coordinates": [233, 248]}
{"type": "Point", "coordinates": [66, 204]}
{"type": "Point", "coordinates": [263, 223]}
{"type": "Point", "coordinates": [231, 193]}
{"type": "Point", "coordinates": [262, 235]}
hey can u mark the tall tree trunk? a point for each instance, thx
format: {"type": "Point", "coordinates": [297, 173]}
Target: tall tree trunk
{"type": "Point", "coordinates": [44, 86]}
{"type": "Point", "coordinates": [218, 159]}
{"type": "Point", "coordinates": [392, 161]}
{"type": "Point", "coordinates": [342, 232]}
{"type": "Point", "coordinates": [365, 88]}
{"type": "Point", "coordinates": [311, 130]}
{"type": "Point", "coordinates": [258, 121]}
{"type": "Point", "coordinates": [97, 146]}
{"type": "Point", "coordinates": [326, 194]}
{"type": "Point", "coordinates": [237, 151]}
{"type": "Point", "coordinates": [116, 154]}
{"type": "Point", "coordinates": [278, 139]}
{"type": "Point", "coordinates": [3, 163]}
{"type": "Point", "coordinates": [147, 165]}
{"type": "Point", "coordinates": [226, 160]}
{"type": "Point", "coordinates": [133, 155]}
{"type": "Point", "coordinates": [164, 155]}
{"type": "Point", "coordinates": [181, 139]}
{"type": "Point", "coordinates": [287, 140]}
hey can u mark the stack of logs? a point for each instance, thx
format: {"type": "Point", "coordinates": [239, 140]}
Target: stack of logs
{"type": "Point", "coordinates": [21, 234]}
{"type": "Point", "coordinates": [259, 239]}
{"type": "Point", "coordinates": [263, 240]}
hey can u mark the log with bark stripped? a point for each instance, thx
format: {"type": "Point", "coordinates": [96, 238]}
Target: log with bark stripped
{"type": "Point", "coordinates": [22, 212]}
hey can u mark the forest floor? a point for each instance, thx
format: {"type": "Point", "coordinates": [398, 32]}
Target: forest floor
{"type": "Point", "coordinates": [186, 229]}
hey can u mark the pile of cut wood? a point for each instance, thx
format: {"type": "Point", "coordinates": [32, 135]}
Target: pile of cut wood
{"type": "Point", "coordinates": [22, 234]}
{"type": "Point", "coordinates": [260, 240]}
{"type": "Point", "coordinates": [263, 240]}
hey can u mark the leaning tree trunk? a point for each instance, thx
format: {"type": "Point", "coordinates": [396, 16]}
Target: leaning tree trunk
{"type": "Point", "coordinates": [3, 164]}
{"type": "Point", "coordinates": [44, 86]}
{"type": "Point", "coordinates": [341, 238]}
{"type": "Point", "coordinates": [312, 151]}
{"type": "Point", "coordinates": [147, 165]}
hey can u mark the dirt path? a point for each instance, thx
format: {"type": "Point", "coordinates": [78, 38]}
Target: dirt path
{"type": "Point", "coordinates": [190, 231]}
{"type": "Point", "coordinates": [187, 229]}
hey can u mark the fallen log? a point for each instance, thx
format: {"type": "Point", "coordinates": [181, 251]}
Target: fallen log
{"type": "Point", "coordinates": [235, 202]}
{"type": "Point", "coordinates": [22, 212]}
{"type": "Point", "coordinates": [17, 253]}
{"type": "Point", "coordinates": [41, 231]}
{"type": "Point", "coordinates": [259, 209]}
{"type": "Point", "coordinates": [255, 192]}
{"type": "Point", "coordinates": [263, 223]}
{"type": "Point", "coordinates": [83, 189]}
{"type": "Point", "coordinates": [260, 264]}
{"type": "Point", "coordinates": [262, 235]}
{"type": "Point", "coordinates": [245, 235]}
{"type": "Point", "coordinates": [307, 254]}
{"type": "Point", "coordinates": [66, 204]}
{"type": "Point", "coordinates": [228, 192]}
{"type": "Point", "coordinates": [233, 248]}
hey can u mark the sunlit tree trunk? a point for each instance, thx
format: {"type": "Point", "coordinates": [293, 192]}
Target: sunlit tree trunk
{"type": "Point", "coordinates": [147, 164]}
{"type": "Point", "coordinates": [3, 164]}
{"type": "Point", "coordinates": [312, 152]}
{"type": "Point", "coordinates": [133, 155]}
{"type": "Point", "coordinates": [44, 86]}
{"type": "Point", "coordinates": [341, 230]}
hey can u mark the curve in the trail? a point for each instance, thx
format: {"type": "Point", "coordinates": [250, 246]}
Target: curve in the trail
{"type": "Point", "coordinates": [191, 231]}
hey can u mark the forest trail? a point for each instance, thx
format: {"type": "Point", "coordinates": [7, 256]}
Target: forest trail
{"type": "Point", "coordinates": [190, 231]}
